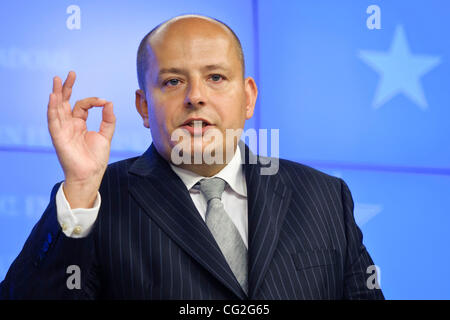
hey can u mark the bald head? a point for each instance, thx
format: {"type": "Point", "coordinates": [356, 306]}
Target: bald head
{"type": "Point", "coordinates": [188, 26]}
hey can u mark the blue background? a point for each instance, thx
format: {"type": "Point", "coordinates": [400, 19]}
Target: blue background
{"type": "Point", "coordinates": [311, 61]}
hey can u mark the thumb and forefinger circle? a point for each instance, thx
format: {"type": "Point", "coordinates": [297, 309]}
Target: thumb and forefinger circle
{"type": "Point", "coordinates": [80, 109]}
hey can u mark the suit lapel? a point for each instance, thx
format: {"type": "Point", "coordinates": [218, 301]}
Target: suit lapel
{"type": "Point", "coordinates": [267, 199]}
{"type": "Point", "coordinates": [165, 199]}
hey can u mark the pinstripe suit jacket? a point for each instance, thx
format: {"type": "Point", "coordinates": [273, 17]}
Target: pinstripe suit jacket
{"type": "Point", "coordinates": [150, 242]}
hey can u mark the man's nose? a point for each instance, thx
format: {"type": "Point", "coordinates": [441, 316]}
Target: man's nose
{"type": "Point", "coordinates": [195, 96]}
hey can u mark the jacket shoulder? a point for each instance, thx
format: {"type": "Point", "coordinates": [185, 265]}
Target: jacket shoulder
{"type": "Point", "coordinates": [120, 167]}
{"type": "Point", "coordinates": [291, 172]}
{"type": "Point", "coordinates": [289, 165]}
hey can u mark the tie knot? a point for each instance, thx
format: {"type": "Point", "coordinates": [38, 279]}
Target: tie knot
{"type": "Point", "coordinates": [212, 188]}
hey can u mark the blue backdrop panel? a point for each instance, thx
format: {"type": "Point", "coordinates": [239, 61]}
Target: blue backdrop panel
{"type": "Point", "coordinates": [343, 92]}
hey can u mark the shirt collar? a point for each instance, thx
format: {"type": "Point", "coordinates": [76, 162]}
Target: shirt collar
{"type": "Point", "coordinates": [232, 173]}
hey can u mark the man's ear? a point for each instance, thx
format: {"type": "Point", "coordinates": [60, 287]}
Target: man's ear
{"type": "Point", "coordinates": [142, 107]}
{"type": "Point", "coordinates": [251, 93]}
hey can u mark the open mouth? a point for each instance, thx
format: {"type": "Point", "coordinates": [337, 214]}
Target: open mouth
{"type": "Point", "coordinates": [197, 126]}
{"type": "Point", "coordinates": [197, 123]}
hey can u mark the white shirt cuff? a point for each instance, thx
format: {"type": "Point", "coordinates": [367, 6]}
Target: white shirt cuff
{"type": "Point", "coordinates": [75, 223]}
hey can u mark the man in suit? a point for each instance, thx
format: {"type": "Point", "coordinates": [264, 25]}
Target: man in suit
{"type": "Point", "coordinates": [147, 228]}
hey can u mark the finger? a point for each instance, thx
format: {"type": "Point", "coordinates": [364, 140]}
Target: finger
{"type": "Point", "coordinates": [108, 123]}
{"type": "Point", "coordinates": [68, 84]}
{"type": "Point", "coordinates": [80, 110]}
{"type": "Point", "coordinates": [52, 113]}
{"type": "Point", "coordinates": [57, 91]}
{"type": "Point", "coordinates": [57, 85]}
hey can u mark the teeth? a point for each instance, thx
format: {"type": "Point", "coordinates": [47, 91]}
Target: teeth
{"type": "Point", "coordinates": [198, 123]}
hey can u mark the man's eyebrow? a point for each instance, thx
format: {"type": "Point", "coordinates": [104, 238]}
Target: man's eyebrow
{"type": "Point", "coordinates": [215, 67]}
{"type": "Point", "coordinates": [170, 70]}
{"type": "Point", "coordinates": [208, 67]}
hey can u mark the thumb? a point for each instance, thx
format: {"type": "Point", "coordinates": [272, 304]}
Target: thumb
{"type": "Point", "coordinates": [108, 121]}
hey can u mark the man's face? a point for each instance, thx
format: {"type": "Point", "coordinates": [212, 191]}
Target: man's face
{"type": "Point", "coordinates": [195, 73]}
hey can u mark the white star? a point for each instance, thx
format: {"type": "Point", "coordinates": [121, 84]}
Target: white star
{"type": "Point", "coordinates": [365, 212]}
{"type": "Point", "coordinates": [400, 71]}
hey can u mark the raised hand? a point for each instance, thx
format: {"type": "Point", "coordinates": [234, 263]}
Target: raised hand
{"type": "Point", "coordinates": [82, 154]}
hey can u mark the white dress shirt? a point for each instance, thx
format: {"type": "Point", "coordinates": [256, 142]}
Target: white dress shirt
{"type": "Point", "coordinates": [77, 223]}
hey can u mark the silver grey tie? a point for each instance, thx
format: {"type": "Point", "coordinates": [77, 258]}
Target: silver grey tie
{"type": "Point", "coordinates": [223, 229]}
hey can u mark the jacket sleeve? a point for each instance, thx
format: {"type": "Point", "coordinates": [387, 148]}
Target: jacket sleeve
{"type": "Point", "coordinates": [52, 265]}
{"type": "Point", "coordinates": [358, 274]}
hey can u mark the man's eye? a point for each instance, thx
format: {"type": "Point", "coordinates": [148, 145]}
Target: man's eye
{"type": "Point", "coordinates": [172, 82]}
{"type": "Point", "coordinates": [216, 77]}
